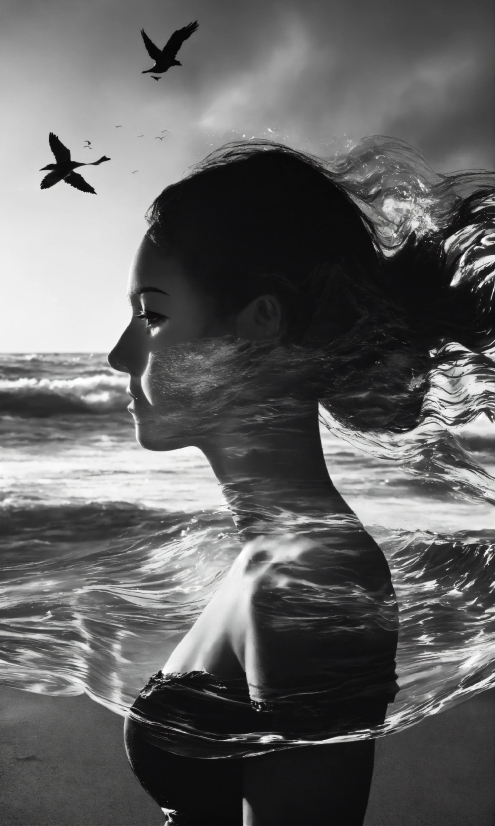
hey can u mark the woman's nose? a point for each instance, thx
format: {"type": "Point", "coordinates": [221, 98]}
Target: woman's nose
{"type": "Point", "coordinates": [114, 361]}
{"type": "Point", "coordinates": [118, 358]}
{"type": "Point", "coordinates": [130, 354]}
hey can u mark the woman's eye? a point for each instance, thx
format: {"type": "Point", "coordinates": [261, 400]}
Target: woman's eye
{"type": "Point", "coordinates": [152, 319]}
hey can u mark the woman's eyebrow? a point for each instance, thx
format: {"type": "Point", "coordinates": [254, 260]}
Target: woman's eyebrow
{"type": "Point", "coordinates": [151, 290]}
{"type": "Point", "coordinates": [137, 294]}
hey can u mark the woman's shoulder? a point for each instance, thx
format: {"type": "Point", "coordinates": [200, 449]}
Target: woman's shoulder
{"type": "Point", "coordinates": [301, 598]}
{"type": "Point", "coordinates": [321, 555]}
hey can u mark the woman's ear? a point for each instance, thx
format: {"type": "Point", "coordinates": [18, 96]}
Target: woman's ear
{"type": "Point", "coordinates": [261, 320]}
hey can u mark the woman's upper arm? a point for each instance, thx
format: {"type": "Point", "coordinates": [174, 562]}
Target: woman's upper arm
{"type": "Point", "coordinates": [274, 592]}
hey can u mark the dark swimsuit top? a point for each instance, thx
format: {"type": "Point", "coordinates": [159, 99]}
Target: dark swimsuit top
{"type": "Point", "coordinates": [198, 715]}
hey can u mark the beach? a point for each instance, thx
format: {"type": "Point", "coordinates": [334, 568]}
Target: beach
{"type": "Point", "coordinates": [63, 763]}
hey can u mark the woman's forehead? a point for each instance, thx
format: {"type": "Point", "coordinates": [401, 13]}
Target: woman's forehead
{"type": "Point", "coordinates": [153, 267]}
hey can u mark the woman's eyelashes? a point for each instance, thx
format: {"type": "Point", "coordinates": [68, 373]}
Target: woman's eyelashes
{"type": "Point", "coordinates": [152, 319]}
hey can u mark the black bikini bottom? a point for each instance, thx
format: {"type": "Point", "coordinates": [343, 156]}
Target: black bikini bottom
{"type": "Point", "coordinates": [180, 718]}
{"type": "Point", "coordinates": [327, 784]}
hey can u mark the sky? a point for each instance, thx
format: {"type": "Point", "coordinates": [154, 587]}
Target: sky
{"type": "Point", "coordinates": [317, 73]}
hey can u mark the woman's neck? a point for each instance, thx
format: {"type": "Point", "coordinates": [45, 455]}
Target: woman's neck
{"type": "Point", "coordinates": [272, 473]}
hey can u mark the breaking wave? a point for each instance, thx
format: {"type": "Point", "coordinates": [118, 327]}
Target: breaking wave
{"type": "Point", "coordinates": [30, 397]}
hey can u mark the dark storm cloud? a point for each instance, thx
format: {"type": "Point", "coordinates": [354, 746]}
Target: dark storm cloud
{"type": "Point", "coordinates": [454, 124]}
{"type": "Point", "coordinates": [420, 71]}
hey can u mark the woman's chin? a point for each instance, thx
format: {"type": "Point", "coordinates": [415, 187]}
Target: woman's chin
{"type": "Point", "coordinates": [150, 439]}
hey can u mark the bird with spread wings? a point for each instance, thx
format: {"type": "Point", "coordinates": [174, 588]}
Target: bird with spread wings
{"type": "Point", "coordinates": [63, 168]}
{"type": "Point", "coordinates": [166, 57]}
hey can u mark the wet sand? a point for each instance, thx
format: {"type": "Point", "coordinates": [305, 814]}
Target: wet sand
{"type": "Point", "coordinates": [440, 772]}
{"type": "Point", "coordinates": [62, 763]}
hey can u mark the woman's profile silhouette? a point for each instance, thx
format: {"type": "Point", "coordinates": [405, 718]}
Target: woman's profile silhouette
{"type": "Point", "coordinates": [261, 290]}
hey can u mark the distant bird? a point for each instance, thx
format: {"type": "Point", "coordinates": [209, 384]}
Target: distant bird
{"type": "Point", "coordinates": [159, 139]}
{"type": "Point", "coordinates": [63, 169]}
{"type": "Point", "coordinates": [155, 78]}
{"type": "Point", "coordinates": [165, 58]}
{"type": "Point", "coordinates": [140, 136]}
{"type": "Point", "coordinates": [164, 130]}
{"type": "Point", "coordinates": [118, 127]}
{"type": "Point", "coordinates": [136, 170]}
{"type": "Point", "coordinates": [88, 142]}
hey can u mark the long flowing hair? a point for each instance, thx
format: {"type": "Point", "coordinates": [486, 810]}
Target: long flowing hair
{"type": "Point", "coordinates": [386, 270]}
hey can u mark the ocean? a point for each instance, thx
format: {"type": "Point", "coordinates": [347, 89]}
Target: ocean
{"type": "Point", "coordinates": [110, 551]}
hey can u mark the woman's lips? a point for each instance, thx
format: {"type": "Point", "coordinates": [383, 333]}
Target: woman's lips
{"type": "Point", "coordinates": [137, 407]}
{"type": "Point", "coordinates": [132, 406]}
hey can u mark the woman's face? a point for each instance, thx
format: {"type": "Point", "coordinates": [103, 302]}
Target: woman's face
{"type": "Point", "coordinates": [168, 308]}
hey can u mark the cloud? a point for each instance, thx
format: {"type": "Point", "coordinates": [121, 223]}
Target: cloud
{"type": "Point", "coordinates": [258, 93]}
{"type": "Point", "coordinates": [444, 109]}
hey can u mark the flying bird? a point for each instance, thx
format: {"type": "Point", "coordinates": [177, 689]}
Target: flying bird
{"type": "Point", "coordinates": [155, 78]}
{"type": "Point", "coordinates": [63, 169]}
{"type": "Point", "coordinates": [159, 139]}
{"type": "Point", "coordinates": [165, 58]}
{"type": "Point", "coordinates": [118, 127]}
{"type": "Point", "coordinates": [140, 136]}
{"type": "Point", "coordinates": [88, 142]}
{"type": "Point", "coordinates": [136, 170]}
{"type": "Point", "coordinates": [164, 130]}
